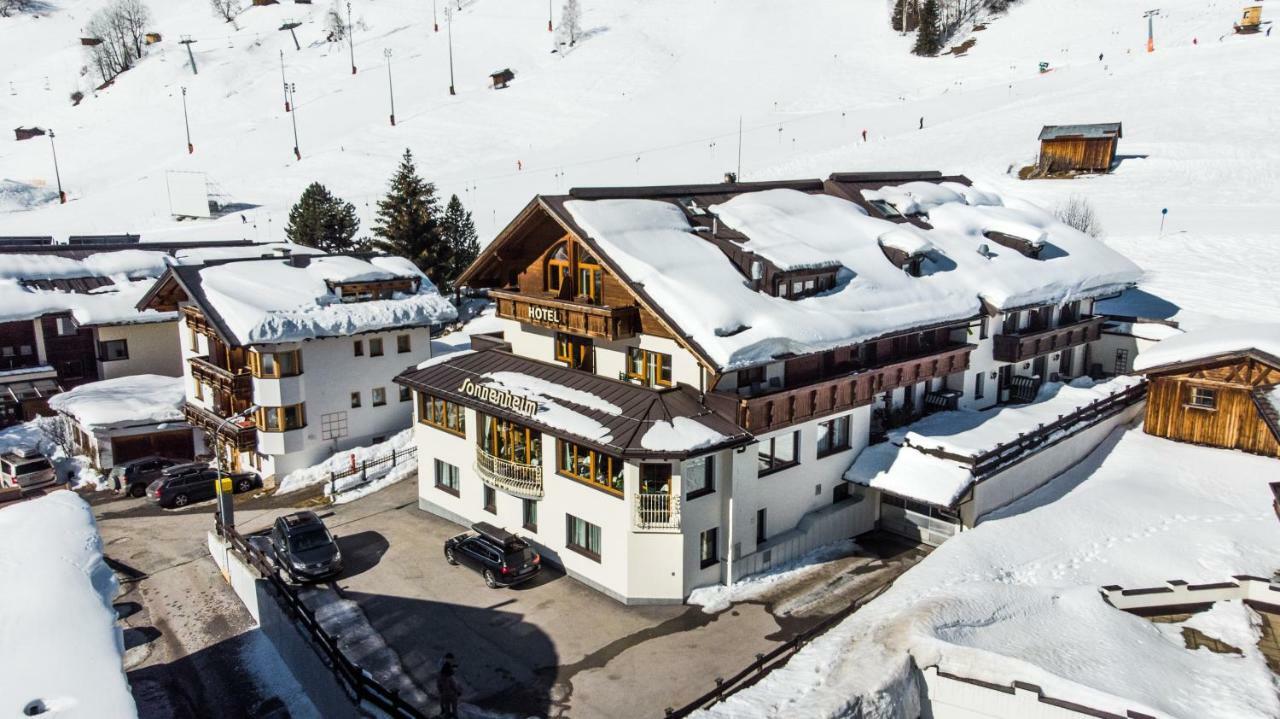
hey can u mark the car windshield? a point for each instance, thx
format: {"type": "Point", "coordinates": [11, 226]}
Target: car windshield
{"type": "Point", "coordinates": [310, 539]}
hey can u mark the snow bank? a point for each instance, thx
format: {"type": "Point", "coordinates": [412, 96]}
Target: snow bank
{"type": "Point", "coordinates": [653, 244]}
{"type": "Point", "coordinates": [18, 196]}
{"type": "Point", "coordinates": [718, 598]}
{"type": "Point", "coordinates": [1017, 597]}
{"type": "Point", "coordinates": [59, 642]}
{"type": "Point", "coordinates": [1202, 343]}
{"type": "Point", "coordinates": [270, 300]}
{"type": "Point", "coordinates": [345, 459]}
{"type": "Point", "coordinates": [123, 401]}
{"type": "Point", "coordinates": [681, 434]}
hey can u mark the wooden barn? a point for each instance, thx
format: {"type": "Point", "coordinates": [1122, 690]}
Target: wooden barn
{"type": "Point", "coordinates": [1222, 397]}
{"type": "Point", "coordinates": [1078, 148]}
{"type": "Point", "coordinates": [500, 78]}
{"type": "Point", "coordinates": [26, 133]}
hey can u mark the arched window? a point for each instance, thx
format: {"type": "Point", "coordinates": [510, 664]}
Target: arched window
{"type": "Point", "coordinates": [558, 269]}
{"type": "Point", "coordinates": [589, 277]}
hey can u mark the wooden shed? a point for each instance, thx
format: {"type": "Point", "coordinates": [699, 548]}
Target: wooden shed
{"type": "Point", "coordinates": [26, 133]}
{"type": "Point", "coordinates": [500, 78]}
{"type": "Point", "coordinates": [1079, 148]}
{"type": "Point", "coordinates": [1229, 400]}
{"type": "Point", "coordinates": [1250, 20]}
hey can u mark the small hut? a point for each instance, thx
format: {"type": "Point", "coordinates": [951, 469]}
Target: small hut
{"type": "Point", "coordinates": [1079, 148]}
{"type": "Point", "coordinates": [26, 133]}
{"type": "Point", "coordinates": [1250, 20]}
{"type": "Point", "coordinates": [153, 38]}
{"type": "Point", "coordinates": [500, 78]}
{"type": "Point", "coordinates": [1219, 387]}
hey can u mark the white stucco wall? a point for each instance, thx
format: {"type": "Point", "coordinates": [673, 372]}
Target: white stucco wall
{"type": "Point", "coordinates": [154, 348]}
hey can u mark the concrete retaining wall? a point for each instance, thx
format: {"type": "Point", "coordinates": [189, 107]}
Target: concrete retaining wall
{"type": "Point", "coordinates": [954, 697]}
{"type": "Point", "coordinates": [1176, 595]}
{"type": "Point", "coordinates": [850, 517]}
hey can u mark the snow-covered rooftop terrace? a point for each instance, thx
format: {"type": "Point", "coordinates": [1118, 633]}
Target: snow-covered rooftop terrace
{"type": "Point", "coordinates": [654, 244]}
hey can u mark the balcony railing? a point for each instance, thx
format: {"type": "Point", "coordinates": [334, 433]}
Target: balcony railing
{"type": "Point", "coordinates": [656, 511]}
{"type": "Point", "coordinates": [611, 323]}
{"type": "Point", "coordinates": [521, 480]}
{"type": "Point", "coordinates": [1027, 345]}
{"type": "Point", "coordinates": [785, 407]}
{"type": "Point", "coordinates": [242, 433]}
{"type": "Point", "coordinates": [238, 383]}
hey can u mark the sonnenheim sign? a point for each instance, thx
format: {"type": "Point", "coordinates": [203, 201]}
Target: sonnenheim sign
{"type": "Point", "coordinates": [503, 398]}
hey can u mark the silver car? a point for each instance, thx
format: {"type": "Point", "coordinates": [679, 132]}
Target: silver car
{"type": "Point", "coordinates": [25, 469]}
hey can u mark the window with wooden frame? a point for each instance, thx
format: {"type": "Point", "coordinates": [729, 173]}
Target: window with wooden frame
{"type": "Point", "coordinates": [358, 347]}
{"type": "Point", "coordinates": [529, 514]}
{"type": "Point", "coordinates": [447, 477]}
{"type": "Point", "coordinates": [444, 415]}
{"type": "Point", "coordinates": [582, 537]}
{"type": "Point", "coordinates": [576, 352]}
{"type": "Point", "coordinates": [650, 368]}
{"type": "Point", "coordinates": [589, 467]}
{"type": "Point", "coordinates": [709, 548]}
{"type": "Point", "coordinates": [557, 272]}
{"type": "Point", "coordinates": [1202, 398]}
{"type": "Point", "coordinates": [282, 419]}
{"type": "Point", "coordinates": [199, 389]}
{"type": "Point", "coordinates": [699, 476]}
{"type": "Point", "coordinates": [403, 344]}
{"type": "Point", "coordinates": [590, 278]}
{"type": "Point", "coordinates": [379, 396]}
{"type": "Point", "coordinates": [375, 346]}
{"type": "Point", "coordinates": [778, 453]}
{"type": "Point", "coordinates": [273, 365]}
{"type": "Point", "coordinates": [355, 399]}
{"type": "Point", "coordinates": [509, 440]}
{"type": "Point", "coordinates": [833, 436]}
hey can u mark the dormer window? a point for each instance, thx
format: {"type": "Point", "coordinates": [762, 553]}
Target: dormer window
{"type": "Point", "coordinates": [1027, 247]}
{"type": "Point", "coordinates": [906, 250]}
{"type": "Point", "coordinates": [349, 292]}
{"type": "Point", "coordinates": [884, 208]}
{"type": "Point", "coordinates": [803, 283]}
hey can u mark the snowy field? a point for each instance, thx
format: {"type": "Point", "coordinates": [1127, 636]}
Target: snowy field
{"type": "Point", "coordinates": [1017, 598]}
{"type": "Point", "coordinates": [602, 114]}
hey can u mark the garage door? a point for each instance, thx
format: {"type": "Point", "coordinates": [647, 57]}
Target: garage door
{"type": "Point", "coordinates": [176, 444]}
{"type": "Point", "coordinates": [917, 521]}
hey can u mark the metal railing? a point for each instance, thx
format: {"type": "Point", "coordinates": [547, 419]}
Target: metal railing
{"type": "Point", "coordinates": [987, 463]}
{"type": "Point", "coordinates": [363, 469]}
{"type": "Point", "coordinates": [357, 682]}
{"type": "Point", "coordinates": [521, 480]}
{"type": "Point", "coordinates": [656, 510]}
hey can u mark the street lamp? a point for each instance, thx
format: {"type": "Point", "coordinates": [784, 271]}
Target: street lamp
{"type": "Point", "coordinates": [62, 196]}
{"type": "Point", "coordinates": [391, 90]}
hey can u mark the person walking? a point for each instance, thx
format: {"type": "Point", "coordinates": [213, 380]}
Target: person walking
{"type": "Point", "coordinates": [921, 123]}
{"type": "Point", "coordinates": [864, 135]}
{"type": "Point", "coordinates": [1099, 57]}
{"type": "Point", "coordinates": [449, 692]}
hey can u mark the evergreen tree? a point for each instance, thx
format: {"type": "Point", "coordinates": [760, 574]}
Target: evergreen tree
{"type": "Point", "coordinates": [409, 222]}
{"type": "Point", "coordinates": [323, 221]}
{"type": "Point", "coordinates": [929, 37]}
{"type": "Point", "coordinates": [460, 236]}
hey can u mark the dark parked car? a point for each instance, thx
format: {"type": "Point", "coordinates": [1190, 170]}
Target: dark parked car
{"type": "Point", "coordinates": [133, 477]}
{"type": "Point", "coordinates": [183, 484]}
{"type": "Point", "coordinates": [303, 547]}
{"type": "Point", "coordinates": [500, 556]}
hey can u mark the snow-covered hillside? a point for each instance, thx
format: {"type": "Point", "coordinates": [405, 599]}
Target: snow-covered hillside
{"type": "Point", "coordinates": [653, 94]}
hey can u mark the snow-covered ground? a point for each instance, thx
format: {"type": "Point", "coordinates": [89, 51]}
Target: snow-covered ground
{"type": "Point", "coordinates": [352, 458]}
{"type": "Point", "coordinates": [1017, 598]}
{"type": "Point", "coordinates": [36, 435]}
{"type": "Point", "coordinates": [60, 647]}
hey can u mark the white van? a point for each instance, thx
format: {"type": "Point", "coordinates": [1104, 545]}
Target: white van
{"type": "Point", "coordinates": [25, 469]}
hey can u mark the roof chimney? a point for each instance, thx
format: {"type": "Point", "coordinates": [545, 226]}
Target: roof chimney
{"type": "Point", "coordinates": [730, 178]}
{"type": "Point", "coordinates": [984, 250]}
{"type": "Point", "coordinates": [300, 260]}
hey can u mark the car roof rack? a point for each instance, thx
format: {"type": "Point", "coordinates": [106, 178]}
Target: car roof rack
{"type": "Point", "coordinates": [498, 535]}
{"type": "Point", "coordinates": [301, 519]}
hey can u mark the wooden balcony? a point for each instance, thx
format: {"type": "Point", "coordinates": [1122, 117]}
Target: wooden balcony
{"type": "Point", "coordinates": [238, 384]}
{"type": "Point", "coordinates": [1027, 345]}
{"type": "Point", "coordinates": [243, 434]}
{"type": "Point", "coordinates": [610, 323]}
{"type": "Point", "coordinates": [520, 480]}
{"type": "Point", "coordinates": [785, 407]}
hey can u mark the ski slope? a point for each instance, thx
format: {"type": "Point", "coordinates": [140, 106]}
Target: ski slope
{"type": "Point", "coordinates": [654, 94]}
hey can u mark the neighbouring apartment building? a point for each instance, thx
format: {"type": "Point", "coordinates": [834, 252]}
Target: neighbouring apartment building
{"type": "Point", "coordinates": [682, 375]}
{"type": "Point", "coordinates": [288, 359]}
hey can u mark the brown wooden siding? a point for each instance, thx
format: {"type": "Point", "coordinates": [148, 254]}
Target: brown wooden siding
{"type": "Point", "coordinates": [14, 338]}
{"type": "Point", "coordinates": [1029, 344]}
{"type": "Point", "coordinates": [1078, 153]}
{"type": "Point", "coordinates": [1234, 423]}
{"type": "Point", "coordinates": [74, 356]}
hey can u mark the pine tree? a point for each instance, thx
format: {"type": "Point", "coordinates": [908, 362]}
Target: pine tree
{"type": "Point", "coordinates": [323, 221]}
{"type": "Point", "coordinates": [409, 222]}
{"type": "Point", "coordinates": [929, 37]}
{"type": "Point", "coordinates": [459, 233]}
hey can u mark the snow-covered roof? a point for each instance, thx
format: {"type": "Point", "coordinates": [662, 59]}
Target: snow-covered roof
{"type": "Point", "coordinates": [59, 641]}
{"type": "Point", "coordinates": [694, 283]}
{"type": "Point", "coordinates": [123, 401]}
{"type": "Point", "coordinates": [273, 300]}
{"type": "Point", "coordinates": [130, 273]}
{"type": "Point", "coordinates": [1211, 342]}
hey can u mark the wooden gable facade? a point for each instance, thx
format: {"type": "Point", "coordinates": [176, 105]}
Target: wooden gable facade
{"type": "Point", "coordinates": [1215, 402]}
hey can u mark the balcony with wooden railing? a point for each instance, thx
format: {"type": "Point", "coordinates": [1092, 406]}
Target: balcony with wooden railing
{"type": "Point", "coordinates": [514, 478]}
{"type": "Point", "coordinates": [1029, 344]}
{"type": "Point", "coordinates": [656, 511]}
{"type": "Point", "coordinates": [241, 433]}
{"type": "Point", "coordinates": [779, 408]}
{"type": "Point", "coordinates": [540, 310]}
{"type": "Point", "coordinates": [236, 383]}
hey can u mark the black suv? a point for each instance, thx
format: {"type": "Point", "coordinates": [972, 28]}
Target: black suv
{"type": "Point", "coordinates": [134, 476]}
{"type": "Point", "coordinates": [503, 558]}
{"type": "Point", "coordinates": [303, 547]}
{"type": "Point", "coordinates": [183, 484]}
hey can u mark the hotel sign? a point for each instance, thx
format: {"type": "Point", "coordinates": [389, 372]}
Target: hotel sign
{"type": "Point", "coordinates": [502, 398]}
{"type": "Point", "coordinates": [550, 315]}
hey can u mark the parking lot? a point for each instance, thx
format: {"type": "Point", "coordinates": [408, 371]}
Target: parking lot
{"type": "Point", "coordinates": [552, 647]}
